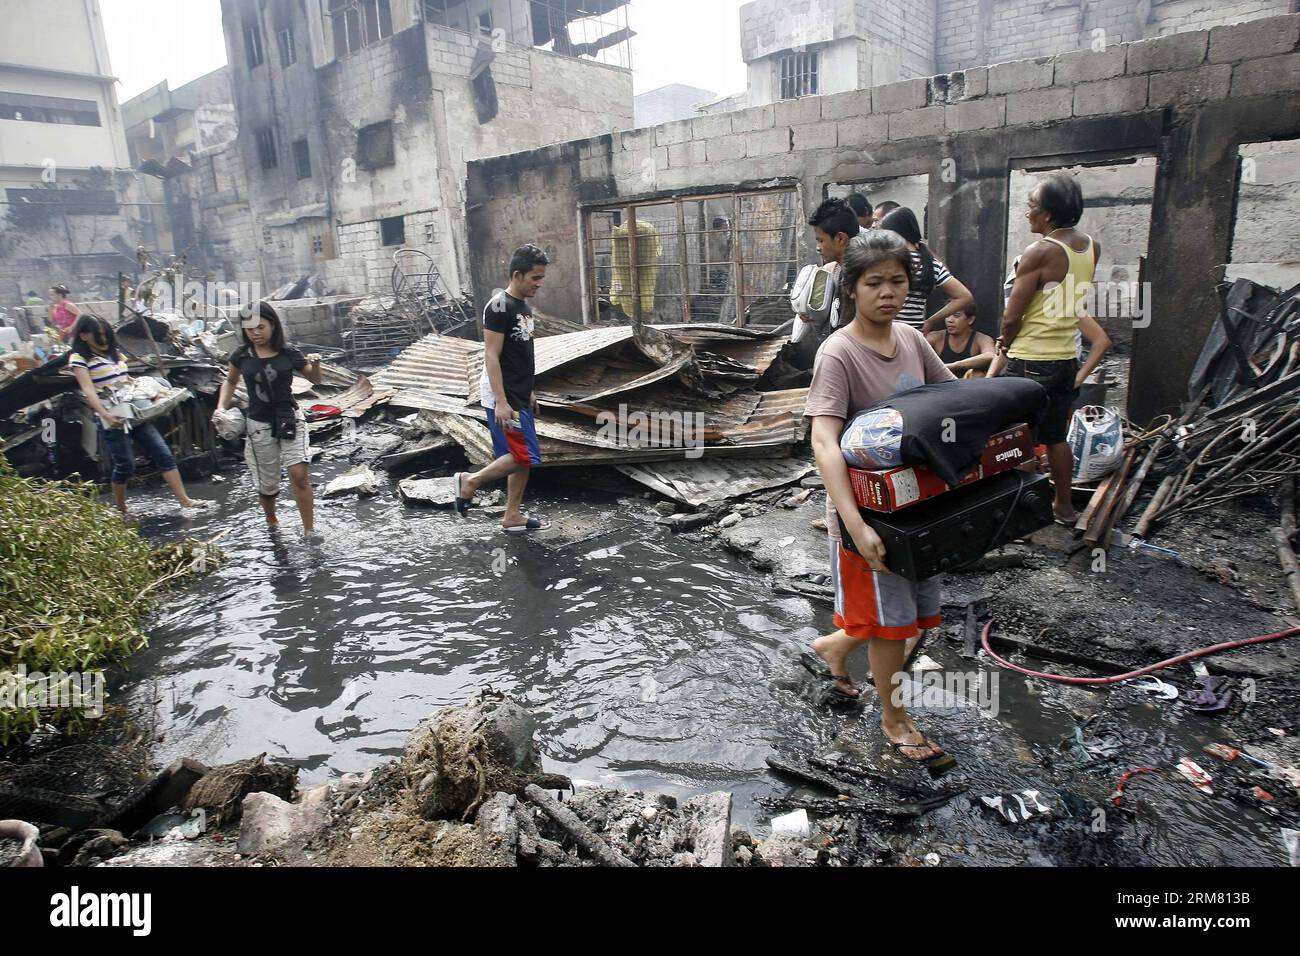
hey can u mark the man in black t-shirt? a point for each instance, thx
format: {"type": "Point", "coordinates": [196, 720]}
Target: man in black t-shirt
{"type": "Point", "coordinates": [506, 391]}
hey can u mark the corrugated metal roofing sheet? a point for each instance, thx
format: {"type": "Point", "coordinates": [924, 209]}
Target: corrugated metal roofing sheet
{"type": "Point", "coordinates": [699, 482]}
{"type": "Point", "coordinates": [437, 363]}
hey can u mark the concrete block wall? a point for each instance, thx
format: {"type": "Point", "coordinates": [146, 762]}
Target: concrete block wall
{"type": "Point", "coordinates": [310, 322]}
{"type": "Point", "coordinates": [966, 130]}
{"type": "Point", "coordinates": [365, 267]}
{"type": "Point", "coordinates": [972, 32]}
{"type": "Point", "coordinates": [452, 53]}
{"type": "Point", "coordinates": [907, 26]}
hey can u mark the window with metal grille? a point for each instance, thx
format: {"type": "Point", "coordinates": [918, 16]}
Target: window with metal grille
{"type": "Point", "coordinates": [288, 52]}
{"type": "Point", "coordinates": [318, 244]}
{"type": "Point", "coordinates": [302, 158]}
{"type": "Point", "coordinates": [266, 151]}
{"type": "Point", "coordinates": [253, 45]}
{"type": "Point", "coordinates": [375, 146]}
{"type": "Point", "coordinates": [358, 23]}
{"type": "Point", "coordinates": [392, 232]}
{"type": "Point", "coordinates": [700, 258]}
{"type": "Point", "coordinates": [799, 75]}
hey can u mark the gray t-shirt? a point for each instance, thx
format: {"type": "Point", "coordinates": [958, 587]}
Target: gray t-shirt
{"type": "Point", "coordinates": [849, 377]}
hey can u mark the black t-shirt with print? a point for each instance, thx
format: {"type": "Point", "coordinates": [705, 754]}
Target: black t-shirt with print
{"type": "Point", "coordinates": [514, 319]}
{"type": "Point", "coordinates": [269, 381]}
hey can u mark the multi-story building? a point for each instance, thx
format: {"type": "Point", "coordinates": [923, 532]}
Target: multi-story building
{"type": "Point", "coordinates": [356, 119]}
{"type": "Point", "coordinates": [177, 138]}
{"type": "Point", "coordinates": [796, 48]}
{"type": "Point", "coordinates": [69, 194]}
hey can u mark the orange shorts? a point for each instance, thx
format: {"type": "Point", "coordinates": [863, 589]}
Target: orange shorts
{"type": "Point", "coordinates": [871, 604]}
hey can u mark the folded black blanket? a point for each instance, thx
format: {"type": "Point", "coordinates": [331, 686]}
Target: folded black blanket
{"type": "Point", "coordinates": [946, 425]}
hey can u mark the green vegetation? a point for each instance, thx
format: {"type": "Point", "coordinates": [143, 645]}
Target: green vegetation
{"type": "Point", "coordinates": [75, 580]}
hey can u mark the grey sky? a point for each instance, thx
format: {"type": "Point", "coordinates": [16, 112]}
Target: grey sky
{"type": "Point", "coordinates": [696, 42]}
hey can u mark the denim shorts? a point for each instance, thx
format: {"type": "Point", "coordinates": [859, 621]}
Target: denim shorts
{"type": "Point", "coordinates": [118, 441]}
{"type": "Point", "coordinates": [1057, 377]}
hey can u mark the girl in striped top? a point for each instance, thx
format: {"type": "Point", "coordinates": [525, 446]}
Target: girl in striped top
{"type": "Point", "coordinates": [928, 274]}
{"type": "Point", "coordinates": [99, 370]}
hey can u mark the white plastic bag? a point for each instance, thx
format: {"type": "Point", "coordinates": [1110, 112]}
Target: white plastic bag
{"type": "Point", "coordinates": [1096, 439]}
{"type": "Point", "coordinates": [229, 424]}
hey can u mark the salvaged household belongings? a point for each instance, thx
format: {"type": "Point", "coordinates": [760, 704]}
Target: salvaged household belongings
{"type": "Point", "coordinates": [947, 425]}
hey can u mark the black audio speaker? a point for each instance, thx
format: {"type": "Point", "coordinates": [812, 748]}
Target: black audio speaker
{"type": "Point", "coordinates": [961, 526]}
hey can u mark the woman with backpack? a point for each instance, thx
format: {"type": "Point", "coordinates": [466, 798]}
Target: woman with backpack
{"type": "Point", "coordinates": [928, 274]}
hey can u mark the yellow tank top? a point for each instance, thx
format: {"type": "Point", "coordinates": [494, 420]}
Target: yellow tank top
{"type": "Point", "coordinates": [1052, 317]}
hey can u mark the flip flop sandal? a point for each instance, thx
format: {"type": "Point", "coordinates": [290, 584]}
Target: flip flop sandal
{"type": "Point", "coordinates": [821, 670]}
{"type": "Point", "coordinates": [925, 743]}
{"type": "Point", "coordinates": [839, 694]}
{"type": "Point", "coordinates": [533, 524]}
{"type": "Point", "coordinates": [462, 504]}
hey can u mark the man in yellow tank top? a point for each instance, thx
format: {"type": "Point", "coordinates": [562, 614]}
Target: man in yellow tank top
{"type": "Point", "coordinates": [1042, 316]}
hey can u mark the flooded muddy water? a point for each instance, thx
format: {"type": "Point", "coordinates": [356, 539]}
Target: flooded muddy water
{"type": "Point", "coordinates": [649, 660]}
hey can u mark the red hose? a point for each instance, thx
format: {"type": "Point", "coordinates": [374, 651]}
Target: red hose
{"type": "Point", "coordinates": [1190, 655]}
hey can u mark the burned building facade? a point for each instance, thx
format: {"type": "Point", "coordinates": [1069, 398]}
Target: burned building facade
{"type": "Point", "coordinates": [725, 197]}
{"type": "Point", "coordinates": [356, 119]}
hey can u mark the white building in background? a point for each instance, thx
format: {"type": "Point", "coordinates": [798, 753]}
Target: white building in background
{"type": "Point", "coordinates": [667, 103]}
{"type": "Point", "coordinates": [796, 48]}
{"type": "Point", "coordinates": [65, 172]}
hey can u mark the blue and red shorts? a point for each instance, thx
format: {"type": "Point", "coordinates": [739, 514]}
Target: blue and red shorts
{"type": "Point", "coordinates": [520, 443]}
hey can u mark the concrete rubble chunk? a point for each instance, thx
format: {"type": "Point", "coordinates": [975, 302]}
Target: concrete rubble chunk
{"type": "Point", "coordinates": [709, 820]}
{"type": "Point", "coordinates": [267, 824]}
{"type": "Point", "coordinates": [498, 824]}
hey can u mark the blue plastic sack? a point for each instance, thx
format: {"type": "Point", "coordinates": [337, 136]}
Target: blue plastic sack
{"type": "Point", "coordinates": [873, 439]}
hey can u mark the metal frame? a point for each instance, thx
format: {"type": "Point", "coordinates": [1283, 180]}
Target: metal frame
{"type": "Point", "coordinates": [595, 27]}
{"type": "Point", "coordinates": [804, 74]}
{"type": "Point", "coordinates": [628, 208]}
